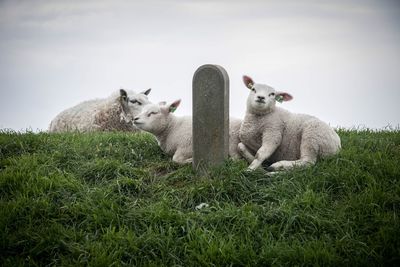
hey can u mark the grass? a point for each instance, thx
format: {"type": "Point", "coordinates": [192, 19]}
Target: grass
{"type": "Point", "coordinates": [114, 199]}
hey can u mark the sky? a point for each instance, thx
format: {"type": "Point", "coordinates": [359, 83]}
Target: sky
{"type": "Point", "coordinates": [340, 60]}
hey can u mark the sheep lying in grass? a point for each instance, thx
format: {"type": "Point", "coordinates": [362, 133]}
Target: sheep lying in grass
{"type": "Point", "coordinates": [174, 134]}
{"type": "Point", "coordinates": [283, 138]}
{"type": "Point", "coordinates": [113, 113]}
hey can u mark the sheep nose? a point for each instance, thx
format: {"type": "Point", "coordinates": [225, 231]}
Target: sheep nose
{"type": "Point", "coordinates": [261, 97]}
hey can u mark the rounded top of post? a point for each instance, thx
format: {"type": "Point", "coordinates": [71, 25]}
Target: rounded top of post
{"type": "Point", "coordinates": [218, 69]}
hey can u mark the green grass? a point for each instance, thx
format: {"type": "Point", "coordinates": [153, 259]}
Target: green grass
{"type": "Point", "coordinates": [113, 199]}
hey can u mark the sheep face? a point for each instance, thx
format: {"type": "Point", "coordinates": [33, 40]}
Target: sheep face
{"type": "Point", "coordinates": [155, 118]}
{"type": "Point", "coordinates": [132, 104]}
{"type": "Point", "coordinates": [262, 98]}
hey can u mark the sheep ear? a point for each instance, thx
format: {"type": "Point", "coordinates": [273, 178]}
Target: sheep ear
{"type": "Point", "coordinates": [248, 81]}
{"type": "Point", "coordinates": [174, 105]}
{"type": "Point", "coordinates": [147, 92]}
{"type": "Point", "coordinates": [123, 94]}
{"type": "Point", "coordinates": [284, 96]}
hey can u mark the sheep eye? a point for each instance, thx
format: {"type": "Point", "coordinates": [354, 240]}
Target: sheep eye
{"type": "Point", "coordinates": [151, 113]}
{"type": "Point", "coordinates": [272, 94]}
{"type": "Point", "coordinates": [135, 101]}
{"type": "Point", "coordinates": [253, 89]}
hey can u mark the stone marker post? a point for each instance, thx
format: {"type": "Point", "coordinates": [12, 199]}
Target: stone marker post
{"type": "Point", "coordinates": [210, 117]}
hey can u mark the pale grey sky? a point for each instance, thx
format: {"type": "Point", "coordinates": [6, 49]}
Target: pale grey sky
{"type": "Point", "coordinates": [339, 59]}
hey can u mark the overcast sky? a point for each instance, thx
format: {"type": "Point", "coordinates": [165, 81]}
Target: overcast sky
{"type": "Point", "coordinates": [339, 59]}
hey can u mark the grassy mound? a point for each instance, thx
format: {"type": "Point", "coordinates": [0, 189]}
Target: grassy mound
{"type": "Point", "coordinates": [107, 199]}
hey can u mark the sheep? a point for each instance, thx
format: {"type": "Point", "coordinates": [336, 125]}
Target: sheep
{"type": "Point", "coordinates": [283, 138]}
{"type": "Point", "coordinates": [113, 113]}
{"type": "Point", "coordinates": [174, 134]}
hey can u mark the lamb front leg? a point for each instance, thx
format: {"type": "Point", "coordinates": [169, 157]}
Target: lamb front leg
{"type": "Point", "coordinates": [262, 154]}
{"type": "Point", "coordinates": [245, 152]}
{"type": "Point", "coordinates": [265, 151]}
{"type": "Point", "coordinates": [181, 159]}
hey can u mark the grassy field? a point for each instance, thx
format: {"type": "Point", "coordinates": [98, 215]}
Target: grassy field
{"type": "Point", "coordinates": [113, 199]}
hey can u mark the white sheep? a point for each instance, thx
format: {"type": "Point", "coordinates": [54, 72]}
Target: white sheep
{"type": "Point", "coordinates": [113, 113]}
{"type": "Point", "coordinates": [283, 138]}
{"type": "Point", "coordinates": [174, 134]}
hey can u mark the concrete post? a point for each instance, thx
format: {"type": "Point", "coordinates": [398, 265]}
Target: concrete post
{"type": "Point", "coordinates": [210, 117]}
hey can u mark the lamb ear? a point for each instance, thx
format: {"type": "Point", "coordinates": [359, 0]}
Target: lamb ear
{"type": "Point", "coordinates": [284, 96]}
{"type": "Point", "coordinates": [147, 92]}
{"type": "Point", "coordinates": [171, 107]}
{"type": "Point", "coordinates": [174, 105]}
{"type": "Point", "coordinates": [248, 81]}
{"type": "Point", "coordinates": [123, 94]}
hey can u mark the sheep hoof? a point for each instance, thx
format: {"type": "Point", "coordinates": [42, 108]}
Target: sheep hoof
{"type": "Point", "coordinates": [249, 169]}
{"type": "Point", "coordinates": [270, 168]}
{"type": "Point", "coordinates": [281, 165]}
{"type": "Point", "coordinates": [189, 161]}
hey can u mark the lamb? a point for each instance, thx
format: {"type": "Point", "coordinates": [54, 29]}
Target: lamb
{"type": "Point", "coordinates": [283, 138]}
{"type": "Point", "coordinates": [113, 113]}
{"type": "Point", "coordinates": [174, 134]}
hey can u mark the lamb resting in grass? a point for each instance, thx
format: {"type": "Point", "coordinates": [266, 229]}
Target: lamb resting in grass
{"type": "Point", "coordinates": [113, 113]}
{"type": "Point", "coordinates": [174, 134]}
{"type": "Point", "coordinates": [283, 138]}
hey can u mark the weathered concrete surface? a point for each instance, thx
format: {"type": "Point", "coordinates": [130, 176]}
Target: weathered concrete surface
{"type": "Point", "coordinates": [210, 116]}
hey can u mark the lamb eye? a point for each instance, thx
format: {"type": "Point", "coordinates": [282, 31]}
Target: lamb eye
{"type": "Point", "coordinates": [151, 113]}
{"type": "Point", "coordinates": [272, 94]}
{"type": "Point", "coordinates": [135, 101]}
{"type": "Point", "coordinates": [253, 89]}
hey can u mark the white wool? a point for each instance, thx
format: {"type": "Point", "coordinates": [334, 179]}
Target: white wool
{"type": "Point", "coordinates": [174, 134]}
{"type": "Point", "coordinates": [279, 136]}
{"type": "Point", "coordinates": [114, 113]}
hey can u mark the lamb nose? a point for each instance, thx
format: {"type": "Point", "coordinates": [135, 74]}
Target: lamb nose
{"type": "Point", "coordinates": [261, 97]}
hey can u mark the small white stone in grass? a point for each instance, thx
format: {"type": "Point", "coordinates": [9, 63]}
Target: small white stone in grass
{"type": "Point", "coordinates": [201, 205]}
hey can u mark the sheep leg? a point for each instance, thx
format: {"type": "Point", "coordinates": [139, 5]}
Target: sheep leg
{"type": "Point", "coordinates": [181, 159]}
{"type": "Point", "coordinates": [234, 151]}
{"type": "Point", "coordinates": [262, 154]}
{"type": "Point", "coordinates": [235, 156]}
{"type": "Point", "coordinates": [308, 153]}
{"type": "Point", "coordinates": [234, 140]}
{"type": "Point", "coordinates": [289, 164]}
{"type": "Point", "coordinates": [308, 157]}
{"type": "Point", "coordinates": [245, 152]}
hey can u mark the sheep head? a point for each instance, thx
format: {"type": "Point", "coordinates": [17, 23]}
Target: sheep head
{"type": "Point", "coordinates": [155, 118]}
{"type": "Point", "coordinates": [132, 104]}
{"type": "Point", "coordinates": [262, 98]}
